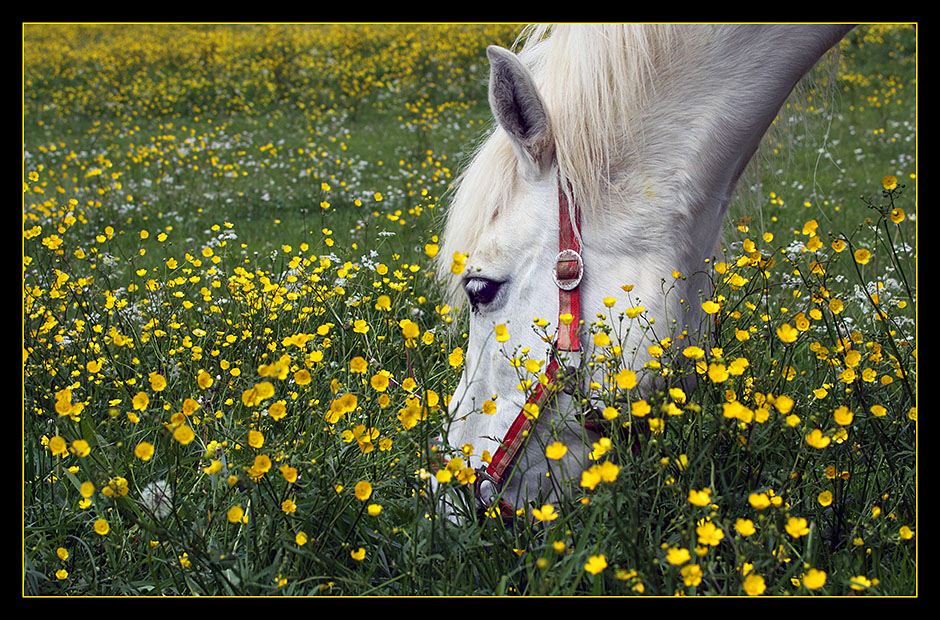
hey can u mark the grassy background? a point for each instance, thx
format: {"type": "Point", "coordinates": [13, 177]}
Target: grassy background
{"type": "Point", "coordinates": [228, 202]}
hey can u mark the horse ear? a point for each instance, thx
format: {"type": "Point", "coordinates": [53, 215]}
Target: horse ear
{"type": "Point", "coordinates": [519, 109]}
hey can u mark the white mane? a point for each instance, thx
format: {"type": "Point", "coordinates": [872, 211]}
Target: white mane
{"type": "Point", "coordinates": [595, 81]}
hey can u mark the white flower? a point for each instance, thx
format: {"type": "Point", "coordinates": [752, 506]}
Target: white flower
{"type": "Point", "coordinates": [157, 497]}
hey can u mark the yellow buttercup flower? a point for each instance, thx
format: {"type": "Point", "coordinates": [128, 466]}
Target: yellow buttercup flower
{"type": "Point", "coordinates": [383, 302]}
{"type": "Point", "coordinates": [277, 410]}
{"type": "Point", "coordinates": [184, 434]}
{"type": "Point", "coordinates": [262, 464]}
{"type": "Point", "coordinates": [204, 379]}
{"type": "Point", "coordinates": [759, 501]}
{"type": "Point", "coordinates": [817, 439]}
{"type": "Point", "coordinates": [744, 527]}
{"type": "Point", "coordinates": [255, 439]}
{"type": "Point", "coordinates": [530, 410]}
{"type": "Point", "coordinates": [700, 498]}
{"type": "Point", "coordinates": [144, 451]}
{"type": "Point", "coordinates": [235, 514]}
{"type": "Point", "coordinates": [843, 416]}
{"type": "Point", "coordinates": [157, 382]}
{"type": "Point", "coordinates": [556, 451]}
{"type": "Point", "coordinates": [709, 533]}
{"type": "Point", "coordinates": [796, 527]}
{"type": "Point", "coordinates": [290, 473]}
{"type": "Point", "coordinates": [718, 373]}
{"type": "Point", "coordinates": [458, 263]}
{"type": "Point", "coordinates": [625, 379]}
{"type": "Point", "coordinates": [859, 583]}
{"type": "Point", "coordinates": [711, 307]}
{"type": "Point", "coordinates": [677, 556]}
{"type": "Point", "coordinates": [80, 447]}
{"type": "Point", "coordinates": [754, 585]}
{"type": "Point", "coordinates": [545, 513]}
{"type": "Point", "coordinates": [691, 574]}
{"type": "Point", "coordinates": [594, 475]}
{"type": "Point", "coordinates": [58, 446]}
{"type": "Point", "coordinates": [363, 490]}
{"type": "Point", "coordinates": [140, 401]}
{"type": "Point", "coordinates": [783, 404]}
{"type": "Point", "coordinates": [379, 381]}
{"type": "Point", "coordinates": [409, 328]}
{"type": "Point", "coordinates": [814, 579]}
{"type": "Point", "coordinates": [596, 564]}
{"type": "Point", "coordinates": [787, 334]}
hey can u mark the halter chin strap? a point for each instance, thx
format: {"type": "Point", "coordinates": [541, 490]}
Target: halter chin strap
{"type": "Point", "coordinates": [567, 273]}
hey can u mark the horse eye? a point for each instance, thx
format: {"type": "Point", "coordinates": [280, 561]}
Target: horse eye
{"type": "Point", "coordinates": [481, 291]}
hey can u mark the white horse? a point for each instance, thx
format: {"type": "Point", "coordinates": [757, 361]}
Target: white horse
{"type": "Point", "coordinates": [631, 138]}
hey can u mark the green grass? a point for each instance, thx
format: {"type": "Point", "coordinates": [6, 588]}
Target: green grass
{"type": "Point", "coordinates": [222, 140]}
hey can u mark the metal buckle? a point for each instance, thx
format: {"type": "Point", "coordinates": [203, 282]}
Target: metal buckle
{"type": "Point", "coordinates": [568, 276]}
{"type": "Point", "coordinates": [568, 378]}
{"type": "Point", "coordinates": [485, 501]}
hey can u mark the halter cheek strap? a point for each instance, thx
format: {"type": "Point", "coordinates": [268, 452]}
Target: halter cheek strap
{"type": "Point", "coordinates": [567, 273]}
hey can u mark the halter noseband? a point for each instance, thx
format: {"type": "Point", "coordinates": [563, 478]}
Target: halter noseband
{"type": "Point", "coordinates": [567, 274]}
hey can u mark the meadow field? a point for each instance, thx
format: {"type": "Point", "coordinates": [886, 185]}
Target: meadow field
{"type": "Point", "coordinates": [237, 357]}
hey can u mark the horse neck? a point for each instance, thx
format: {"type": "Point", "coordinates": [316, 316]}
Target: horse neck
{"type": "Point", "coordinates": [692, 112]}
{"type": "Point", "coordinates": [740, 84]}
{"type": "Point", "coordinates": [686, 140]}
{"type": "Point", "coordinates": [685, 147]}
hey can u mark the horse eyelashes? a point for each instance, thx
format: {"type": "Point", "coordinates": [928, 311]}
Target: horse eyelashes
{"type": "Point", "coordinates": [481, 291]}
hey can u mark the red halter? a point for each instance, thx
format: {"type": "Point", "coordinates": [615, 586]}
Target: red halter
{"type": "Point", "coordinates": [568, 272]}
